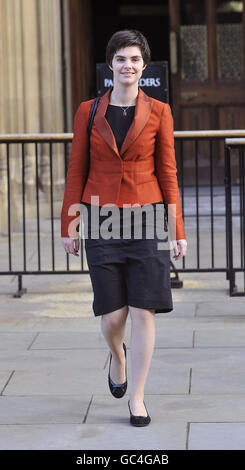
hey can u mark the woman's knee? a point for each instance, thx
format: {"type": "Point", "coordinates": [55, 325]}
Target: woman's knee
{"type": "Point", "coordinates": [116, 318]}
{"type": "Point", "coordinates": [141, 314]}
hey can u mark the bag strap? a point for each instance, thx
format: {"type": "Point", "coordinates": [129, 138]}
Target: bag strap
{"type": "Point", "coordinates": [90, 122]}
{"type": "Point", "coordinates": [92, 114]}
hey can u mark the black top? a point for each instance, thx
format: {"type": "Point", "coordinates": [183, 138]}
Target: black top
{"type": "Point", "coordinates": [119, 123]}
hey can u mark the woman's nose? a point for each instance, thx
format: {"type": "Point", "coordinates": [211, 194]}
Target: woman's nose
{"type": "Point", "coordinates": [127, 64]}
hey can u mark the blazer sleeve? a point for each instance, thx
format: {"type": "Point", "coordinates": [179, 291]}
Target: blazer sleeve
{"type": "Point", "coordinates": [166, 169]}
{"type": "Point", "coordinates": [76, 174]}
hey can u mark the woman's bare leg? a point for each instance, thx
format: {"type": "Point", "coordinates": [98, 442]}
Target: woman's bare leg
{"type": "Point", "coordinates": [142, 345]}
{"type": "Point", "coordinates": [113, 326]}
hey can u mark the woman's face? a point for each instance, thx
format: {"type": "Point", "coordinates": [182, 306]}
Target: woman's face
{"type": "Point", "coordinates": [127, 65]}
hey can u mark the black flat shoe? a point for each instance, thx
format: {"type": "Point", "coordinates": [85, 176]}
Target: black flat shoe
{"type": "Point", "coordinates": [118, 390]}
{"type": "Point", "coordinates": [139, 420]}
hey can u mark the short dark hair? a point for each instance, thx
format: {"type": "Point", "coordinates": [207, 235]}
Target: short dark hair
{"type": "Point", "coordinates": [125, 38]}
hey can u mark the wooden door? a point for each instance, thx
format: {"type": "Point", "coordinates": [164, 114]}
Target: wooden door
{"type": "Point", "coordinates": [81, 51]}
{"type": "Point", "coordinates": [207, 57]}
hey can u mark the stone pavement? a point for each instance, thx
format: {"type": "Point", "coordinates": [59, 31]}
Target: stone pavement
{"type": "Point", "coordinates": [54, 366]}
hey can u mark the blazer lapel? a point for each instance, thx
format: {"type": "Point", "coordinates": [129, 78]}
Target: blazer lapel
{"type": "Point", "coordinates": [141, 116]}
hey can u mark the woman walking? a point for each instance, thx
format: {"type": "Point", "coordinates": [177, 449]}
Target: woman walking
{"type": "Point", "coordinates": [131, 162]}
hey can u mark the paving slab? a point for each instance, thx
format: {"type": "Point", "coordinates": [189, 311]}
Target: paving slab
{"type": "Point", "coordinates": [44, 409]}
{"type": "Point", "coordinates": [219, 338]}
{"type": "Point", "coordinates": [227, 307]}
{"type": "Point", "coordinates": [218, 379]}
{"type": "Point", "coordinates": [55, 382]}
{"type": "Point", "coordinates": [200, 358]}
{"type": "Point", "coordinates": [54, 359]}
{"type": "Point", "coordinates": [217, 436]}
{"type": "Point", "coordinates": [120, 435]}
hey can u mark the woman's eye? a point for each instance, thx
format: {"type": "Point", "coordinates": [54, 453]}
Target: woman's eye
{"type": "Point", "coordinates": [134, 60]}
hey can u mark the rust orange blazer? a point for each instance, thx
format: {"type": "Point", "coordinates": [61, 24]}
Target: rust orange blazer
{"type": "Point", "coordinates": [143, 172]}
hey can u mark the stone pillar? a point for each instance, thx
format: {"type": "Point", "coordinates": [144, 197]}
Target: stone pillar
{"type": "Point", "coordinates": [10, 110]}
{"type": "Point", "coordinates": [31, 94]}
{"type": "Point", "coordinates": [51, 89]}
{"type": "Point", "coordinates": [31, 98]}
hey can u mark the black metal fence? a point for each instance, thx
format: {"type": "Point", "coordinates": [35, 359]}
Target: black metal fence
{"type": "Point", "coordinates": [30, 230]}
{"type": "Point", "coordinates": [235, 238]}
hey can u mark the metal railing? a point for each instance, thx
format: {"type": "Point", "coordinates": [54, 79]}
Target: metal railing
{"type": "Point", "coordinates": [201, 252]}
{"type": "Point", "coordinates": [235, 239]}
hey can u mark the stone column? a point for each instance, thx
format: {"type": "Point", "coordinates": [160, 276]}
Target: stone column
{"type": "Point", "coordinates": [31, 98]}
{"type": "Point", "coordinates": [31, 94]}
{"type": "Point", "coordinates": [50, 72]}
{"type": "Point", "coordinates": [11, 109]}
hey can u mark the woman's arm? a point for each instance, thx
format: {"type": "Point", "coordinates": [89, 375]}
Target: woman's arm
{"type": "Point", "coordinates": [76, 174]}
{"type": "Point", "coordinates": [166, 170]}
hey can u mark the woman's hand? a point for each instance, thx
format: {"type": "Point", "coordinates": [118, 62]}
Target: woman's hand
{"type": "Point", "coordinates": [71, 245]}
{"type": "Point", "coordinates": [179, 247]}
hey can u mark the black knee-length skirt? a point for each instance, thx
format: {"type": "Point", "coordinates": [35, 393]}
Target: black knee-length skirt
{"type": "Point", "coordinates": [131, 268]}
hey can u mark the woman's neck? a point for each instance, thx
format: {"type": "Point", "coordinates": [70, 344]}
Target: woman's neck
{"type": "Point", "coordinates": [124, 96]}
